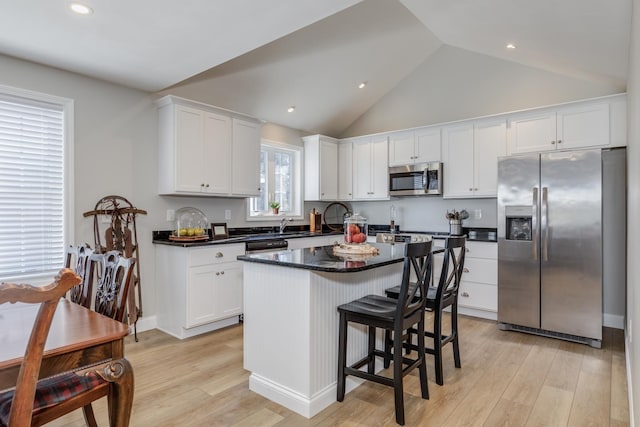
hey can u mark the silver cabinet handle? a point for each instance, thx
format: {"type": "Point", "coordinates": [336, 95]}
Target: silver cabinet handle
{"type": "Point", "coordinates": [470, 189]}
{"type": "Point", "coordinates": [467, 249]}
{"type": "Point", "coordinates": [465, 294]}
{"type": "Point", "coordinates": [553, 142]}
{"type": "Point", "coordinates": [222, 273]}
{"type": "Point", "coordinates": [559, 141]}
{"type": "Point", "coordinates": [219, 255]}
{"type": "Point", "coordinates": [465, 270]}
{"type": "Point", "coordinates": [217, 273]}
{"type": "Point", "coordinates": [475, 189]}
{"type": "Point", "coordinates": [207, 185]}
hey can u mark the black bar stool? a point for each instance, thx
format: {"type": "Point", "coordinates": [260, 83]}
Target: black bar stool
{"type": "Point", "coordinates": [394, 315]}
{"type": "Point", "coordinates": [438, 298]}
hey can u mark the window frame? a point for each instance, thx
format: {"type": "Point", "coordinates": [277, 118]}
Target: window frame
{"type": "Point", "coordinates": [68, 188]}
{"type": "Point", "coordinates": [297, 184]}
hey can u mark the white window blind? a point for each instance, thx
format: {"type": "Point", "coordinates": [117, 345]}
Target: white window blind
{"type": "Point", "coordinates": [31, 189]}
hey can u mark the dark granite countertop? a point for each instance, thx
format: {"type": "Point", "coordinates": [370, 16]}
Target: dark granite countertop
{"type": "Point", "coordinates": [162, 238]}
{"type": "Point", "coordinates": [323, 259]}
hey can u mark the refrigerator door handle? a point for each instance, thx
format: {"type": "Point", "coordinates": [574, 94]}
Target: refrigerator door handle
{"type": "Point", "coordinates": [534, 223]}
{"type": "Point", "coordinates": [544, 222]}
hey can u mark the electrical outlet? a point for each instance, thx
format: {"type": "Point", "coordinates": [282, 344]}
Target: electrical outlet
{"type": "Point", "coordinates": [171, 215]}
{"type": "Point", "coordinates": [478, 214]}
{"type": "Point", "coordinates": [227, 214]}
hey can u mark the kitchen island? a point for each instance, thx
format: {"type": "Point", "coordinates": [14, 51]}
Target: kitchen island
{"type": "Point", "coordinates": [291, 320]}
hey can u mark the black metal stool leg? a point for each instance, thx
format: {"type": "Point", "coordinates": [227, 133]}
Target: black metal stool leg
{"type": "Point", "coordinates": [342, 356]}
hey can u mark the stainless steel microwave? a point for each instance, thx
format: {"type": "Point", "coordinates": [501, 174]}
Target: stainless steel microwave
{"type": "Point", "coordinates": [423, 179]}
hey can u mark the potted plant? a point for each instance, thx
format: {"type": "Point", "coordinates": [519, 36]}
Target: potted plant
{"type": "Point", "coordinates": [275, 206]}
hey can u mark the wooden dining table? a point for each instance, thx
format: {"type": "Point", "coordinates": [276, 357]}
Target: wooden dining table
{"type": "Point", "coordinates": [78, 338]}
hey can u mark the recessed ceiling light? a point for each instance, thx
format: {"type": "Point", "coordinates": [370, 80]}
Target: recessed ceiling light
{"type": "Point", "coordinates": [511, 46]}
{"type": "Point", "coordinates": [361, 85]}
{"type": "Point", "coordinates": [81, 9]}
{"type": "Point", "coordinates": [291, 109]}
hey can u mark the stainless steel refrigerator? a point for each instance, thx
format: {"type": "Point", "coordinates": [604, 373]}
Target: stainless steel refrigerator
{"type": "Point", "coordinates": [556, 212]}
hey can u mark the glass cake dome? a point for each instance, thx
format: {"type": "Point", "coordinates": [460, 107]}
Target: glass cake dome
{"type": "Point", "coordinates": [355, 229]}
{"type": "Point", "coordinates": [190, 222]}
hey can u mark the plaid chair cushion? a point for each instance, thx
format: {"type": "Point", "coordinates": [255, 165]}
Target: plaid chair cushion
{"type": "Point", "coordinates": [51, 391]}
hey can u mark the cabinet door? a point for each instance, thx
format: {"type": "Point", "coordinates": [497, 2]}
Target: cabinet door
{"type": "Point", "coordinates": [427, 145]}
{"type": "Point", "coordinates": [489, 143]}
{"type": "Point", "coordinates": [457, 145]}
{"type": "Point", "coordinates": [345, 171]}
{"type": "Point", "coordinates": [379, 168]}
{"type": "Point", "coordinates": [228, 290]}
{"type": "Point", "coordinates": [401, 149]}
{"type": "Point", "coordinates": [189, 153]}
{"type": "Point", "coordinates": [583, 126]}
{"type": "Point", "coordinates": [328, 170]}
{"type": "Point", "coordinates": [246, 158]}
{"type": "Point", "coordinates": [533, 132]}
{"type": "Point", "coordinates": [362, 167]}
{"type": "Point", "coordinates": [201, 295]}
{"type": "Point", "coordinates": [217, 153]}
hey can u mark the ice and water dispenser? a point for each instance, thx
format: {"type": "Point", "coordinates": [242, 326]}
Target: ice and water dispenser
{"type": "Point", "coordinates": [519, 222]}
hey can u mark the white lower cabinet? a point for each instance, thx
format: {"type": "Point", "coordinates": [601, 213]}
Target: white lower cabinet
{"type": "Point", "coordinates": [199, 288]}
{"type": "Point", "coordinates": [478, 294]}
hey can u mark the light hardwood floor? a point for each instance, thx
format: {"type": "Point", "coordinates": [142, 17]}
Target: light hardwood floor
{"type": "Point", "coordinates": [506, 379]}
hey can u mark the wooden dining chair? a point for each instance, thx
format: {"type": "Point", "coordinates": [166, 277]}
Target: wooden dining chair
{"type": "Point", "coordinates": [113, 283]}
{"type": "Point", "coordinates": [17, 405]}
{"type": "Point", "coordinates": [35, 402]}
{"type": "Point", "coordinates": [78, 259]}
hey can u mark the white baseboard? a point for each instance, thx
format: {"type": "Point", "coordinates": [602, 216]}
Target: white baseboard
{"type": "Point", "coordinates": [627, 345]}
{"type": "Point", "coordinates": [145, 324]}
{"type": "Point", "coordinates": [613, 321]}
{"type": "Point", "coordinates": [305, 406]}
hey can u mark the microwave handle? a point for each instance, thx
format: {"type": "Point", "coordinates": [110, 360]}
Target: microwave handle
{"type": "Point", "coordinates": [426, 180]}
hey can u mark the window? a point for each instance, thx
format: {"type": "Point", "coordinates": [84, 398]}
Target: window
{"type": "Point", "coordinates": [33, 174]}
{"type": "Point", "coordinates": [280, 176]}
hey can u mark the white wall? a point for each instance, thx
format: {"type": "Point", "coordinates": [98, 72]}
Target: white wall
{"type": "Point", "coordinates": [454, 84]}
{"type": "Point", "coordinates": [633, 213]}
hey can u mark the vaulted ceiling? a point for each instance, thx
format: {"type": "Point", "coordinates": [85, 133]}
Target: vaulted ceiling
{"type": "Point", "coordinates": [262, 56]}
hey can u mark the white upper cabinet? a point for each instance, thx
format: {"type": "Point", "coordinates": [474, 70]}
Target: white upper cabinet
{"type": "Point", "coordinates": [246, 158]}
{"type": "Point", "coordinates": [470, 155]}
{"type": "Point", "coordinates": [582, 125]}
{"type": "Point", "coordinates": [206, 151]}
{"type": "Point", "coordinates": [320, 168]}
{"type": "Point", "coordinates": [370, 168]}
{"type": "Point", "coordinates": [345, 170]}
{"type": "Point", "coordinates": [417, 146]}
{"type": "Point", "coordinates": [489, 143]}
